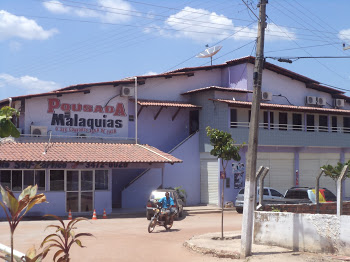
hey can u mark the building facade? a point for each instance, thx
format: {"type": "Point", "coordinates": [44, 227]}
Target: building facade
{"type": "Point", "coordinates": [303, 125]}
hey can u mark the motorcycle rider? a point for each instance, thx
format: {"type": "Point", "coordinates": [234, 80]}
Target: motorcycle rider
{"type": "Point", "coordinates": [167, 202]}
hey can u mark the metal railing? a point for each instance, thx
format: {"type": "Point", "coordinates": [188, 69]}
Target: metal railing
{"type": "Point", "coordinates": [293, 127]}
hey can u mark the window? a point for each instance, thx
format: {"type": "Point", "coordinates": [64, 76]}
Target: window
{"type": "Point", "coordinates": [56, 180]}
{"type": "Point", "coordinates": [283, 121]}
{"type": "Point", "coordinates": [17, 180]}
{"type": "Point", "coordinates": [233, 123]}
{"type": "Point", "coordinates": [266, 120]}
{"type": "Point", "coordinates": [310, 123]}
{"type": "Point", "coordinates": [346, 124]}
{"type": "Point", "coordinates": [101, 180]}
{"type": "Point", "coordinates": [5, 178]}
{"type": "Point", "coordinates": [323, 123]}
{"type": "Point", "coordinates": [275, 193]}
{"type": "Point", "coordinates": [334, 124]}
{"type": "Point", "coordinates": [249, 115]}
{"type": "Point", "coordinates": [266, 192]}
{"type": "Point", "coordinates": [297, 124]}
{"type": "Point", "coordinates": [34, 177]}
{"type": "Point", "coordinates": [227, 182]}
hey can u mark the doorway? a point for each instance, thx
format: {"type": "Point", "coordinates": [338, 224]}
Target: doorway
{"type": "Point", "coordinates": [79, 190]}
{"type": "Point", "coordinates": [194, 121]}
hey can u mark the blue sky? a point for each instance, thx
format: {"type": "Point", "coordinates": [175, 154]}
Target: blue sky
{"type": "Point", "coordinates": [46, 45]}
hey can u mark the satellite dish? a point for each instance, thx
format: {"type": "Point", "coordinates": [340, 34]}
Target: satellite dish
{"type": "Point", "coordinates": [209, 52]}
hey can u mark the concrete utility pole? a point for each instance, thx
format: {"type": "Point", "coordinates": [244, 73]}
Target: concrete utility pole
{"type": "Point", "coordinates": [250, 181]}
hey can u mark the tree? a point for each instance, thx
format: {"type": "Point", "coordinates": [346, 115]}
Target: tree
{"type": "Point", "coordinates": [7, 128]}
{"type": "Point", "coordinates": [225, 150]}
{"type": "Point", "coordinates": [16, 209]}
{"type": "Point", "coordinates": [335, 171]}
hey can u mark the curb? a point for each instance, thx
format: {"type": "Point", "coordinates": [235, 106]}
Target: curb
{"type": "Point", "coordinates": [213, 252]}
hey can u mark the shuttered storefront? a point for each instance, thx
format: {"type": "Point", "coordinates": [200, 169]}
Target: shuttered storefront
{"type": "Point", "coordinates": [209, 181]}
{"type": "Point", "coordinates": [310, 164]}
{"type": "Point", "coordinates": [281, 174]}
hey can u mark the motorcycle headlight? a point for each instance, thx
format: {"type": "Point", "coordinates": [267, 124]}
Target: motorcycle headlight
{"type": "Point", "coordinates": [157, 210]}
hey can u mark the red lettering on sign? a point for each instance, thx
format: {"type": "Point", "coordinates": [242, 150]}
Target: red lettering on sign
{"type": "Point", "coordinates": [119, 110]}
{"type": "Point", "coordinates": [53, 103]}
{"type": "Point", "coordinates": [98, 109]}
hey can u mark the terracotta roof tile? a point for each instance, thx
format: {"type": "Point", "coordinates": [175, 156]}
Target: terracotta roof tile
{"type": "Point", "coordinates": [165, 103]}
{"type": "Point", "coordinates": [218, 88]}
{"type": "Point", "coordinates": [285, 107]}
{"type": "Point", "coordinates": [84, 152]}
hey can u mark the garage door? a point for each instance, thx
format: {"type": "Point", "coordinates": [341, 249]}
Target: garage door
{"type": "Point", "coordinates": [309, 165]}
{"type": "Point", "coordinates": [281, 174]}
{"type": "Point", "coordinates": [209, 181]}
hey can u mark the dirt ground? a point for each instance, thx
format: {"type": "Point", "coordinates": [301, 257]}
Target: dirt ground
{"type": "Point", "coordinates": [127, 239]}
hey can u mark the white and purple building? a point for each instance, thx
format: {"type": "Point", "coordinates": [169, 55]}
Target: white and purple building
{"type": "Point", "coordinates": [79, 143]}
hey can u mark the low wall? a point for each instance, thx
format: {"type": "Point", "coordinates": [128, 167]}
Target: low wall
{"type": "Point", "coordinates": [303, 232]}
{"type": "Point", "coordinates": [325, 208]}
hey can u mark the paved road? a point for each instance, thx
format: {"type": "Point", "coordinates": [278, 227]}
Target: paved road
{"type": "Point", "coordinates": [127, 239]}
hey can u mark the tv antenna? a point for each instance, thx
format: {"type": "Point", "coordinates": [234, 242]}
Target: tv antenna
{"type": "Point", "coordinates": [209, 52]}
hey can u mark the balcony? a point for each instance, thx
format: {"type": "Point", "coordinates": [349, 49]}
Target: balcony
{"type": "Point", "coordinates": [293, 135]}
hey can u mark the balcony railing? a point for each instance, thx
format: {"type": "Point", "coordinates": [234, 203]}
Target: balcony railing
{"type": "Point", "coordinates": [293, 127]}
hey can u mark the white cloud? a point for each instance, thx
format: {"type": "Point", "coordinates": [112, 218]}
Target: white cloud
{"type": "Point", "coordinates": [272, 33]}
{"type": "Point", "coordinates": [18, 26]}
{"type": "Point", "coordinates": [344, 35]}
{"type": "Point", "coordinates": [150, 73]}
{"type": "Point", "coordinates": [27, 84]}
{"type": "Point", "coordinates": [203, 26]}
{"type": "Point", "coordinates": [111, 10]}
{"type": "Point", "coordinates": [56, 7]}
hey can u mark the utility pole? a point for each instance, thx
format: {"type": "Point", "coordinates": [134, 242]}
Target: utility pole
{"type": "Point", "coordinates": [250, 180]}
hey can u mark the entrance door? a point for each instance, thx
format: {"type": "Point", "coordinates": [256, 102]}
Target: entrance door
{"type": "Point", "coordinates": [79, 190]}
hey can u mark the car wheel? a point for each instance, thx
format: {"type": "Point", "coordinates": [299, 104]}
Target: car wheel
{"type": "Point", "coordinates": [239, 210]}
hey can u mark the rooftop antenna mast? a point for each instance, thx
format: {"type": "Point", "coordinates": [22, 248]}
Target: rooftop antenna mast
{"type": "Point", "coordinates": [209, 52]}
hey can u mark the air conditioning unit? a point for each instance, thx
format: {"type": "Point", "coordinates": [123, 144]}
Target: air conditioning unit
{"type": "Point", "coordinates": [321, 101]}
{"type": "Point", "coordinates": [267, 96]}
{"type": "Point", "coordinates": [38, 130]}
{"type": "Point", "coordinates": [127, 91]}
{"type": "Point", "coordinates": [311, 100]}
{"type": "Point", "coordinates": [339, 102]}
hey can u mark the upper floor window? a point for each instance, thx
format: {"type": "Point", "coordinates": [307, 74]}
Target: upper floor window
{"type": "Point", "coordinates": [346, 124]}
{"type": "Point", "coordinates": [310, 123]}
{"type": "Point", "coordinates": [323, 123]}
{"type": "Point", "coordinates": [266, 120]}
{"type": "Point", "coordinates": [297, 122]}
{"type": "Point", "coordinates": [334, 124]}
{"type": "Point", "coordinates": [233, 118]}
{"type": "Point", "coordinates": [283, 121]}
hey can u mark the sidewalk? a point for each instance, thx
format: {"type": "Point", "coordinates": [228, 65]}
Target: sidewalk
{"type": "Point", "coordinates": [211, 244]}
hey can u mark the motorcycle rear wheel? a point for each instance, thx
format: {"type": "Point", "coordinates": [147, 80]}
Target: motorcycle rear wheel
{"type": "Point", "coordinates": [152, 225]}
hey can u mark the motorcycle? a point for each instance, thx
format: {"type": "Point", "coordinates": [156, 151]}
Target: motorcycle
{"type": "Point", "coordinates": [159, 218]}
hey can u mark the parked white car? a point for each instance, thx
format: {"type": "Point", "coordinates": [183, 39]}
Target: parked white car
{"type": "Point", "coordinates": [269, 194]}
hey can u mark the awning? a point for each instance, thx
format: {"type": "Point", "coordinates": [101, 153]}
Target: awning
{"type": "Point", "coordinates": [84, 152]}
{"type": "Point", "coordinates": [164, 104]}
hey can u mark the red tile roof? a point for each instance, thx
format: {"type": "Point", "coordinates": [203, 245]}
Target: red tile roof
{"type": "Point", "coordinates": [84, 152]}
{"type": "Point", "coordinates": [165, 103]}
{"type": "Point", "coordinates": [218, 88]}
{"type": "Point", "coordinates": [285, 107]}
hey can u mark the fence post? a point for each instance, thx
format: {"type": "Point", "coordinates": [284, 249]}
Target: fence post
{"type": "Point", "coordinates": [340, 190]}
{"type": "Point", "coordinates": [261, 186]}
{"type": "Point", "coordinates": [258, 174]}
{"type": "Point", "coordinates": [317, 190]}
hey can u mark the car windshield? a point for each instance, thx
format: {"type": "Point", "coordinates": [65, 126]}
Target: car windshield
{"type": "Point", "coordinates": [158, 195]}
